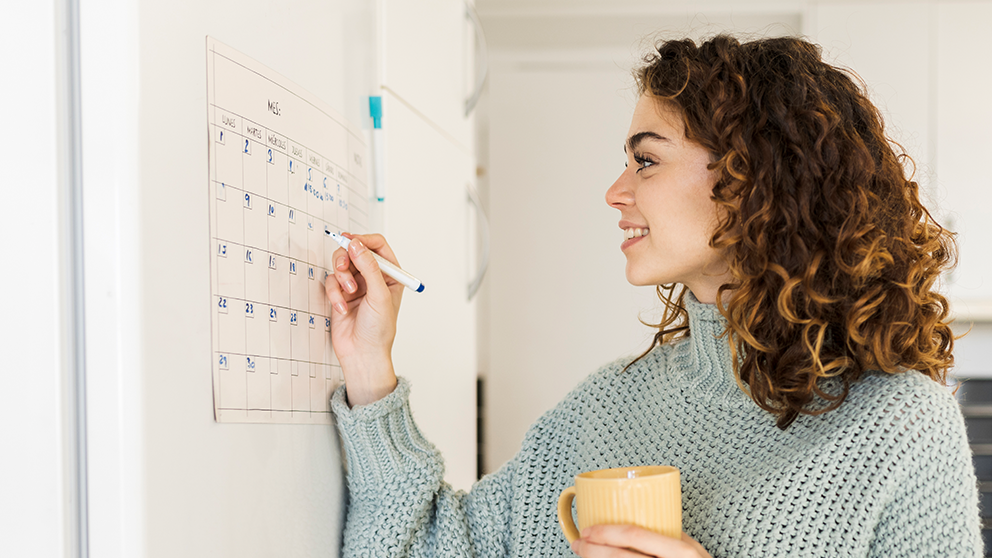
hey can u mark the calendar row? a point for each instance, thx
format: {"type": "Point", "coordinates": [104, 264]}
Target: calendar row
{"type": "Point", "coordinates": [260, 388]}
{"type": "Point", "coordinates": [245, 327]}
{"type": "Point", "coordinates": [262, 223]}
{"type": "Point", "coordinates": [250, 138]}
{"type": "Point", "coordinates": [264, 277]}
{"type": "Point", "coordinates": [279, 177]}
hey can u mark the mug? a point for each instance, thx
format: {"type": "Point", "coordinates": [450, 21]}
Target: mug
{"type": "Point", "coordinates": [649, 497]}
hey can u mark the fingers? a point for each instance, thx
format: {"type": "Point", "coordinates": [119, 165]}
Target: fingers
{"type": "Point", "coordinates": [633, 538]}
{"type": "Point", "coordinates": [341, 267]}
{"type": "Point", "coordinates": [365, 262]}
{"type": "Point", "coordinates": [586, 549]}
{"type": "Point", "coordinates": [336, 296]}
{"type": "Point", "coordinates": [377, 243]}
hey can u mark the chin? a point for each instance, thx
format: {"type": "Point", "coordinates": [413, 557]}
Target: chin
{"type": "Point", "coordinates": [639, 280]}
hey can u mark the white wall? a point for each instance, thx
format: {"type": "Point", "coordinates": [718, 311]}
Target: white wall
{"type": "Point", "coordinates": [31, 472]}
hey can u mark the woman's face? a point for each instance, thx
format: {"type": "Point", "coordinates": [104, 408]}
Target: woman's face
{"type": "Point", "coordinates": [664, 195]}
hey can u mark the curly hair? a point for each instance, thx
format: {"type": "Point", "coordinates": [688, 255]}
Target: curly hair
{"type": "Point", "coordinates": [834, 258]}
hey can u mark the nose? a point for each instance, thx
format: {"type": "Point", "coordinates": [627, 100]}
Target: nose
{"type": "Point", "coordinates": [620, 194]}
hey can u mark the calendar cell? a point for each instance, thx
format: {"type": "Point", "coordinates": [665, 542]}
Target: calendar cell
{"type": "Point", "coordinates": [231, 328]}
{"type": "Point", "coordinates": [315, 193]}
{"type": "Point", "coordinates": [278, 228]}
{"type": "Point", "coordinates": [257, 330]}
{"type": "Point", "coordinates": [299, 289]}
{"type": "Point", "coordinates": [227, 162]}
{"type": "Point", "coordinates": [220, 190]}
{"type": "Point", "coordinates": [319, 342]}
{"type": "Point", "coordinates": [280, 335]}
{"type": "Point", "coordinates": [231, 272]}
{"type": "Point", "coordinates": [259, 384]}
{"type": "Point", "coordinates": [317, 244]}
{"type": "Point", "coordinates": [230, 219]}
{"type": "Point", "coordinates": [317, 298]}
{"type": "Point", "coordinates": [254, 167]}
{"type": "Point", "coordinates": [257, 275]}
{"type": "Point", "coordinates": [299, 337]}
{"type": "Point", "coordinates": [298, 186]}
{"type": "Point", "coordinates": [340, 209]}
{"type": "Point", "coordinates": [318, 388]}
{"type": "Point", "coordinates": [256, 231]}
{"type": "Point", "coordinates": [277, 179]}
{"type": "Point", "coordinates": [282, 385]}
{"type": "Point", "coordinates": [298, 238]}
{"type": "Point", "coordinates": [301, 388]}
{"type": "Point", "coordinates": [233, 381]}
{"type": "Point", "coordinates": [279, 281]}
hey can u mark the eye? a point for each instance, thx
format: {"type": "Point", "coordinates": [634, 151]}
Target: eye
{"type": "Point", "coordinates": [643, 162]}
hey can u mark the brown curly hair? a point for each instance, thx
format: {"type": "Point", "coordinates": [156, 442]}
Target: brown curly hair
{"type": "Point", "coordinates": [834, 257]}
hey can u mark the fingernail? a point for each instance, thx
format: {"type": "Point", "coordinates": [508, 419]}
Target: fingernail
{"type": "Point", "coordinates": [357, 248]}
{"type": "Point", "coordinates": [350, 286]}
{"type": "Point", "coordinates": [342, 264]}
{"type": "Point", "coordinates": [341, 308]}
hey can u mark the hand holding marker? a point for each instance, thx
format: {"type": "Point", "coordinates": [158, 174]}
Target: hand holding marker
{"type": "Point", "coordinates": [387, 267]}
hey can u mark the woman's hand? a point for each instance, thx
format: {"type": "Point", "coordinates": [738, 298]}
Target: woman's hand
{"type": "Point", "coordinates": [629, 541]}
{"type": "Point", "coordinates": [364, 306]}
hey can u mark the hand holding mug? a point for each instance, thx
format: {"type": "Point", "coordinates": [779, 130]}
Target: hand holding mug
{"type": "Point", "coordinates": [626, 512]}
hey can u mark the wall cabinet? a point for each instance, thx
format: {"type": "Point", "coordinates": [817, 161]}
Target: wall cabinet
{"type": "Point", "coordinates": [426, 63]}
{"type": "Point", "coordinates": [427, 225]}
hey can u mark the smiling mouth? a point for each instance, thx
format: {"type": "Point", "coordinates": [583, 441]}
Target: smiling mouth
{"type": "Point", "coordinates": [634, 233]}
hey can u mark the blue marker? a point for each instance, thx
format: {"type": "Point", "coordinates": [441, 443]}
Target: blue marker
{"type": "Point", "coordinates": [378, 162]}
{"type": "Point", "coordinates": [387, 267]}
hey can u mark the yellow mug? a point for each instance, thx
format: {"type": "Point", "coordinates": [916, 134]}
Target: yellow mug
{"type": "Point", "coordinates": [649, 497]}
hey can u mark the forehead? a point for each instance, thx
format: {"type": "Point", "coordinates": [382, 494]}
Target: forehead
{"type": "Point", "coordinates": [654, 115]}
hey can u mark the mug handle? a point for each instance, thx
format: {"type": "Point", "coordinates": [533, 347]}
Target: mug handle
{"type": "Point", "coordinates": [565, 514]}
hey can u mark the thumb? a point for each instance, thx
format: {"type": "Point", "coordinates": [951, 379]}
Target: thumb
{"type": "Point", "coordinates": [367, 265]}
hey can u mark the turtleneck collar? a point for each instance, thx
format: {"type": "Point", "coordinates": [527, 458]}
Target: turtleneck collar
{"type": "Point", "coordinates": [707, 368]}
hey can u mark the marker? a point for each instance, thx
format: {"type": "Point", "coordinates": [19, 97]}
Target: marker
{"type": "Point", "coordinates": [378, 160]}
{"type": "Point", "coordinates": [390, 269]}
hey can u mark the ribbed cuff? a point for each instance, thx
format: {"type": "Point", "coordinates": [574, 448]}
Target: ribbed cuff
{"type": "Point", "coordinates": [382, 443]}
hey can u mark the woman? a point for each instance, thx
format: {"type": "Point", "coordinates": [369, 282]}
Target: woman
{"type": "Point", "coordinates": [796, 380]}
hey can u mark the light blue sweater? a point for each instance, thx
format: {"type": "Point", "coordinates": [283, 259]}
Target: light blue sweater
{"type": "Point", "coordinates": [887, 474]}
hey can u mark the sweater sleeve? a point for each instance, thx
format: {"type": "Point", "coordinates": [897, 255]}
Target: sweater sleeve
{"type": "Point", "coordinates": [399, 504]}
{"type": "Point", "coordinates": [934, 508]}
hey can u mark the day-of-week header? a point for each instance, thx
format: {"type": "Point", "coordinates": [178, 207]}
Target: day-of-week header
{"type": "Point", "coordinates": [254, 131]}
{"type": "Point", "coordinates": [276, 141]}
{"type": "Point", "coordinates": [228, 121]}
{"type": "Point", "coordinates": [296, 151]}
{"type": "Point", "coordinates": [315, 160]}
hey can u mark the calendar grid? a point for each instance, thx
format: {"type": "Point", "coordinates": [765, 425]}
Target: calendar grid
{"type": "Point", "coordinates": [273, 191]}
{"type": "Point", "coordinates": [360, 179]}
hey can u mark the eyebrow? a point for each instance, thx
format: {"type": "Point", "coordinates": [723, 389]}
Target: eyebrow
{"type": "Point", "coordinates": [635, 140]}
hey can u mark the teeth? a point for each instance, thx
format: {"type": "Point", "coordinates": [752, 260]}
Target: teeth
{"type": "Point", "coordinates": [631, 233]}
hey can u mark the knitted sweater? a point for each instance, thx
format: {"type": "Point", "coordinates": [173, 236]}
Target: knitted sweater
{"type": "Point", "coordinates": [887, 474]}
